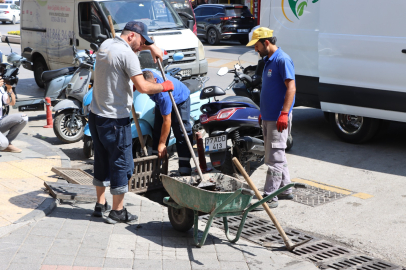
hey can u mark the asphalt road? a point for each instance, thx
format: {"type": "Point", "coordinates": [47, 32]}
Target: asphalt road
{"type": "Point", "coordinates": [375, 225]}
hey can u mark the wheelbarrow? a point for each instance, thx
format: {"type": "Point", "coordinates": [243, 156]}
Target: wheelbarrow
{"type": "Point", "coordinates": [230, 198]}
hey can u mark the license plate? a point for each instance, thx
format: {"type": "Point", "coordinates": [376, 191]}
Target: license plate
{"type": "Point", "coordinates": [242, 30]}
{"type": "Point", "coordinates": [186, 72]}
{"type": "Point", "coordinates": [216, 143]}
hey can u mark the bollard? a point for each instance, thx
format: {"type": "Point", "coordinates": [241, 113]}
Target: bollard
{"type": "Point", "coordinates": [200, 151]}
{"type": "Point", "coordinates": [49, 113]}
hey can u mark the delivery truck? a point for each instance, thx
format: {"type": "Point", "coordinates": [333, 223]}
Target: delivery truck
{"type": "Point", "coordinates": [349, 59]}
{"type": "Point", "coordinates": [52, 27]}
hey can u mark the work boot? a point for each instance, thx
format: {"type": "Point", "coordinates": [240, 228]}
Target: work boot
{"type": "Point", "coordinates": [272, 204]}
{"type": "Point", "coordinates": [100, 209]}
{"type": "Point", "coordinates": [121, 216]}
{"type": "Point", "coordinates": [285, 196]}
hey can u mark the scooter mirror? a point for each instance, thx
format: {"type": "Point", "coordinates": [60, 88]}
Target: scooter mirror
{"type": "Point", "coordinates": [222, 71]}
{"type": "Point", "coordinates": [94, 47]}
{"type": "Point", "coordinates": [178, 56]}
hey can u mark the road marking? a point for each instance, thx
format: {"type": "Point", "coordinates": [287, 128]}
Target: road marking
{"type": "Point", "coordinates": [219, 62]}
{"type": "Point", "coordinates": [363, 196]}
{"type": "Point", "coordinates": [211, 60]}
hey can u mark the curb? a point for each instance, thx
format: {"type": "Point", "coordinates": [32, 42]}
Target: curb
{"type": "Point", "coordinates": [11, 38]}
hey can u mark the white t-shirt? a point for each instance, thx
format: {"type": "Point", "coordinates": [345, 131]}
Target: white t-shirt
{"type": "Point", "coordinates": [4, 100]}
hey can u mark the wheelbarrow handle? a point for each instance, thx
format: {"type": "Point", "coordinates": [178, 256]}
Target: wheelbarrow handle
{"type": "Point", "coordinates": [192, 152]}
{"type": "Point", "coordinates": [246, 191]}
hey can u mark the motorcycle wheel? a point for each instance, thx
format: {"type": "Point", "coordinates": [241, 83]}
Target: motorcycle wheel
{"type": "Point", "coordinates": [62, 130]}
{"type": "Point", "coordinates": [289, 143]}
{"type": "Point", "coordinates": [228, 166]}
{"type": "Point", "coordinates": [88, 149]}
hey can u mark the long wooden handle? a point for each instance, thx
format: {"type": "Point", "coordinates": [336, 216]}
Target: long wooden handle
{"type": "Point", "coordinates": [287, 241]}
{"type": "Point", "coordinates": [137, 124]}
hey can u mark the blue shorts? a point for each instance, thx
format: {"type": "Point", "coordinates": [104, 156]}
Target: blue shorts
{"type": "Point", "coordinates": [113, 158]}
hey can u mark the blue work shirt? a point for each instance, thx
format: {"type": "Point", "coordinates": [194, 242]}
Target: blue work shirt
{"type": "Point", "coordinates": [278, 68]}
{"type": "Point", "coordinates": [163, 101]}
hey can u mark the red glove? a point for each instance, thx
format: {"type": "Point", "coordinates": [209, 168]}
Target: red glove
{"type": "Point", "coordinates": [168, 86]}
{"type": "Point", "coordinates": [282, 122]}
{"type": "Point", "coordinates": [260, 120]}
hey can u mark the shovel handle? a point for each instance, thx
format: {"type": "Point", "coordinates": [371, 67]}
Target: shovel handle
{"type": "Point", "coordinates": [181, 123]}
{"type": "Point", "coordinates": [287, 241]}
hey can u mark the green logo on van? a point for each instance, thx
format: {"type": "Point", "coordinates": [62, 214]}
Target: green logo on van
{"type": "Point", "coordinates": [42, 2]}
{"type": "Point", "coordinates": [297, 7]}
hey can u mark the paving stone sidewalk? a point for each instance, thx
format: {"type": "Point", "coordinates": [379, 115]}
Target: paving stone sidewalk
{"type": "Point", "coordinates": [70, 238]}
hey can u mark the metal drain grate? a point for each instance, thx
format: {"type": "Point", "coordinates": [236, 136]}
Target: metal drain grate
{"type": "Point", "coordinates": [319, 251]}
{"type": "Point", "coordinates": [74, 176]}
{"type": "Point", "coordinates": [259, 230]}
{"type": "Point", "coordinates": [314, 196]}
{"type": "Point", "coordinates": [359, 262]}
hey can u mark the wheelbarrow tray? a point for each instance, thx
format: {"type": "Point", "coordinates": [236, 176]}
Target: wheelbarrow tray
{"type": "Point", "coordinates": [206, 201]}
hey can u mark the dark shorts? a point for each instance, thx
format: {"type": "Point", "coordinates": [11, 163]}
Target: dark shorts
{"type": "Point", "coordinates": [113, 158]}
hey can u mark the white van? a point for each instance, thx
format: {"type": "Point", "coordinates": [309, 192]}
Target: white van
{"type": "Point", "coordinates": [14, 2]}
{"type": "Point", "coordinates": [348, 59]}
{"type": "Point", "coordinates": [51, 27]}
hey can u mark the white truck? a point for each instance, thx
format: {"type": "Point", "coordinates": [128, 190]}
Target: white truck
{"type": "Point", "coordinates": [51, 27]}
{"type": "Point", "coordinates": [349, 59]}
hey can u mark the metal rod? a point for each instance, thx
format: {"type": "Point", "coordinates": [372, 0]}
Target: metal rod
{"type": "Point", "coordinates": [181, 124]}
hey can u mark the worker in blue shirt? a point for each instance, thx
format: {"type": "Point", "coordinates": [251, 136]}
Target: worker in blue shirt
{"type": "Point", "coordinates": [277, 100]}
{"type": "Point", "coordinates": [165, 119]}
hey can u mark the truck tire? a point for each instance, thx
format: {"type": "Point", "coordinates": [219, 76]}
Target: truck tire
{"type": "Point", "coordinates": [352, 128]}
{"type": "Point", "coordinates": [39, 66]}
{"type": "Point", "coordinates": [213, 37]}
{"type": "Point", "coordinates": [62, 130]}
{"type": "Point", "coordinates": [181, 219]}
{"type": "Point", "coordinates": [88, 149]}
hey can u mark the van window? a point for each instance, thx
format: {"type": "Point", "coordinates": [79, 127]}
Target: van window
{"type": "Point", "coordinates": [156, 14]}
{"type": "Point", "coordinates": [88, 15]}
{"type": "Point", "coordinates": [198, 12]}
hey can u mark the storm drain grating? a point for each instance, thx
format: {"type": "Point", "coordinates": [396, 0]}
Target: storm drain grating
{"type": "Point", "coordinates": [258, 230]}
{"type": "Point", "coordinates": [320, 251]}
{"type": "Point", "coordinates": [314, 196]}
{"type": "Point", "coordinates": [74, 176]}
{"type": "Point", "coordinates": [359, 262]}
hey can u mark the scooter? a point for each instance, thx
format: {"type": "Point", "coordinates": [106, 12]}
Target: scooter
{"type": "Point", "coordinates": [69, 120]}
{"type": "Point", "coordinates": [145, 106]}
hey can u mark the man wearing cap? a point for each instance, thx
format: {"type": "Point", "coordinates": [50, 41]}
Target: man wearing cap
{"type": "Point", "coordinates": [109, 121]}
{"type": "Point", "coordinates": [277, 100]}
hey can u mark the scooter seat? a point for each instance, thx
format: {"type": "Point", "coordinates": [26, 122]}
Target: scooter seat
{"type": "Point", "coordinates": [238, 99]}
{"type": "Point", "coordinates": [48, 76]}
{"type": "Point", "coordinates": [193, 85]}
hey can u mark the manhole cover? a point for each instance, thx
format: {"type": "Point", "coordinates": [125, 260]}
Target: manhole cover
{"type": "Point", "coordinates": [74, 192]}
{"type": "Point", "coordinates": [360, 262]}
{"type": "Point", "coordinates": [259, 230]}
{"type": "Point", "coordinates": [74, 176]}
{"type": "Point", "coordinates": [314, 196]}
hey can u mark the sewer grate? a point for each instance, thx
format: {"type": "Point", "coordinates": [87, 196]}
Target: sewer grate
{"type": "Point", "coordinates": [259, 230]}
{"type": "Point", "coordinates": [73, 192]}
{"type": "Point", "coordinates": [74, 176]}
{"type": "Point", "coordinates": [320, 251]}
{"type": "Point", "coordinates": [359, 262]}
{"type": "Point", "coordinates": [314, 196]}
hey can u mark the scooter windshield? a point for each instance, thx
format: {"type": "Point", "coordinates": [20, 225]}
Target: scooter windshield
{"type": "Point", "coordinates": [249, 58]}
{"type": "Point", "coordinates": [156, 14]}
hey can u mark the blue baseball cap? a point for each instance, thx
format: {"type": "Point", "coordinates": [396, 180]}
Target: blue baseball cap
{"type": "Point", "coordinates": [140, 28]}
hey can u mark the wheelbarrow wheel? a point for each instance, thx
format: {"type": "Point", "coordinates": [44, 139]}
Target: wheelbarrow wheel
{"type": "Point", "coordinates": [181, 219]}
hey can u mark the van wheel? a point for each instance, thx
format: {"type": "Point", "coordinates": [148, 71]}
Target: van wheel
{"type": "Point", "coordinates": [213, 37]}
{"type": "Point", "coordinates": [14, 20]}
{"type": "Point", "coordinates": [39, 67]}
{"type": "Point", "coordinates": [352, 128]}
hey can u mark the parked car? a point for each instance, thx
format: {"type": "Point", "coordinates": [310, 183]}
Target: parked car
{"type": "Point", "coordinates": [185, 11]}
{"type": "Point", "coordinates": [9, 13]}
{"type": "Point", "coordinates": [217, 22]}
{"type": "Point", "coordinates": [15, 2]}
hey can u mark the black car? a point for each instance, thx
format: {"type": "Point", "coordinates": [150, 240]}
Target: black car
{"type": "Point", "coordinates": [227, 22]}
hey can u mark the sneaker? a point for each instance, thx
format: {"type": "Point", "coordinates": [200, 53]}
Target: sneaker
{"type": "Point", "coordinates": [100, 209]}
{"type": "Point", "coordinates": [285, 196]}
{"type": "Point", "coordinates": [122, 216]}
{"type": "Point", "coordinates": [272, 204]}
{"type": "Point", "coordinates": [12, 149]}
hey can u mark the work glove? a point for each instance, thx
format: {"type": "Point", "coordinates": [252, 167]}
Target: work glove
{"type": "Point", "coordinates": [260, 120]}
{"type": "Point", "coordinates": [282, 122]}
{"type": "Point", "coordinates": [168, 86]}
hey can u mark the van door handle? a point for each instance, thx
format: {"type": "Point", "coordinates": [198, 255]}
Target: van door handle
{"type": "Point", "coordinates": [404, 51]}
